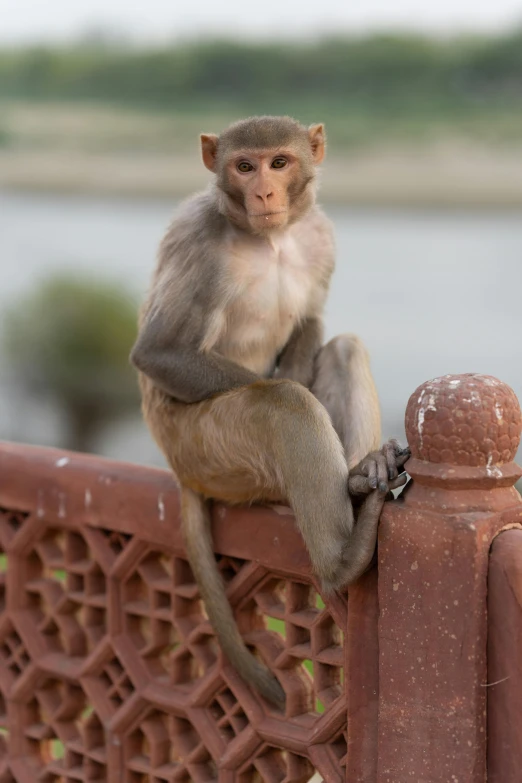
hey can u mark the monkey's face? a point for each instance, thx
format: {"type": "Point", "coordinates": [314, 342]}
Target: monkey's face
{"type": "Point", "coordinates": [265, 168]}
{"type": "Point", "coordinates": [260, 183]}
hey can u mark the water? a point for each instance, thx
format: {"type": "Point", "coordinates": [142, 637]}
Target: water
{"type": "Point", "coordinates": [429, 292]}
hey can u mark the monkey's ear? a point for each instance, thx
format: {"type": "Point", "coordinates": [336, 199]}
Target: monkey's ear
{"type": "Point", "coordinates": [317, 138]}
{"type": "Point", "coordinates": [209, 148]}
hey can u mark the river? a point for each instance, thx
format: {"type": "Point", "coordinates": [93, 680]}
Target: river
{"type": "Point", "coordinates": [430, 292]}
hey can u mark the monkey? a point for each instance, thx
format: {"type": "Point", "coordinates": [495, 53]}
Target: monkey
{"type": "Point", "coordinates": [238, 390]}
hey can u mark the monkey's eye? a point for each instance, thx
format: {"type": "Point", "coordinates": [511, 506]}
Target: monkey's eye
{"type": "Point", "coordinates": [279, 163]}
{"type": "Point", "coordinates": [244, 166]}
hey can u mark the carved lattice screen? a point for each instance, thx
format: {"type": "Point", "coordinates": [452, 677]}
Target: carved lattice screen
{"type": "Point", "coordinates": [109, 670]}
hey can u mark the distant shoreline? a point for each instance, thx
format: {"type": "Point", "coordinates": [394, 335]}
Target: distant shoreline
{"type": "Point", "coordinates": [450, 175]}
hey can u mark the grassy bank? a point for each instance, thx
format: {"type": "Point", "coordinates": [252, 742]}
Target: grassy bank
{"type": "Point", "coordinates": [98, 127]}
{"type": "Point", "coordinates": [412, 158]}
{"type": "Point", "coordinates": [443, 177]}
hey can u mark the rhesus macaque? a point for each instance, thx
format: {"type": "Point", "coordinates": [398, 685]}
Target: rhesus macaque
{"type": "Point", "coordinates": [238, 390]}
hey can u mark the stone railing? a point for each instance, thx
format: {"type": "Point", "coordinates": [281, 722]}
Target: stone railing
{"type": "Point", "coordinates": [109, 670]}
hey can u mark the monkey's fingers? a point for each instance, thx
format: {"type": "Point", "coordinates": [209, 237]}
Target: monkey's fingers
{"type": "Point", "coordinates": [396, 457]}
{"type": "Point", "coordinates": [402, 456]}
{"type": "Point", "coordinates": [382, 472]}
{"type": "Point", "coordinates": [400, 481]}
{"type": "Point", "coordinates": [371, 474]}
{"type": "Point", "coordinates": [390, 453]}
{"type": "Point", "coordinates": [370, 469]}
{"type": "Point", "coordinates": [359, 485]}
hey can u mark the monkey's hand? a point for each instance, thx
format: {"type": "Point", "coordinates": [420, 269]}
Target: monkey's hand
{"type": "Point", "coordinates": [381, 470]}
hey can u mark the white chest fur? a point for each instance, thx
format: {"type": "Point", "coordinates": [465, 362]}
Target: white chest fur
{"type": "Point", "coordinates": [269, 285]}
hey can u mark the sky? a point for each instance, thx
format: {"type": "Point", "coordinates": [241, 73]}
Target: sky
{"type": "Point", "coordinates": [44, 20]}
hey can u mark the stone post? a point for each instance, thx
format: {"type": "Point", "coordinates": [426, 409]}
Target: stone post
{"type": "Point", "coordinates": [434, 545]}
{"type": "Point", "coordinates": [504, 659]}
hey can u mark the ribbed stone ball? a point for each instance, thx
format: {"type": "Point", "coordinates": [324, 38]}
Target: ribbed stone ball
{"type": "Point", "coordinates": [466, 419]}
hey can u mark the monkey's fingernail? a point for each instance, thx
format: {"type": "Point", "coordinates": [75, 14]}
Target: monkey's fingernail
{"type": "Point", "coordinates": [383, 486]}
{"type": "Point", "coordinates": [373, 483]}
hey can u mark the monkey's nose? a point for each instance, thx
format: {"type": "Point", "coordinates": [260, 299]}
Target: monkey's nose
{"type": "Point", "coordinates": [265, 197]}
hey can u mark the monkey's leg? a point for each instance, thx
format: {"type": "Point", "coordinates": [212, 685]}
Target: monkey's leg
{"type": "Point", "coordinates": [344, 385]}
{"type": "Point", "coordinates": [271, 441]}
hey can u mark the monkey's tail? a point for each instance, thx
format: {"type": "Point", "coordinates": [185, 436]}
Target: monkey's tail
{"type": "Point", "coordinates": [198, 542]}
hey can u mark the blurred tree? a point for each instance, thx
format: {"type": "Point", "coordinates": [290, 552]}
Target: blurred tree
{"type": "Point", "coordinates": [341, 70]}
{"type": "Point", "coordinates": [70, 338]}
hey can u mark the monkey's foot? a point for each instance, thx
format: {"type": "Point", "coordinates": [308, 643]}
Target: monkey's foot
{"type": "Point", "coordinates": [379, 470]}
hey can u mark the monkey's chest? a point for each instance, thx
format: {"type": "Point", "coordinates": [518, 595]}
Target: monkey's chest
{"type": "Point", "coordinates": [268, 302]}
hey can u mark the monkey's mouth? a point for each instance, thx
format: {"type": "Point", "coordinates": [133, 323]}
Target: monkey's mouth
{"type": "Point", "coordinates": [266, 214]}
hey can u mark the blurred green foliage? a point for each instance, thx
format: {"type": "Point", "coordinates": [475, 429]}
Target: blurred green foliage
{"type": "Point", "coordinates": [389, 68]}
{"type": "Point", "coordinates": [369, 90]}
{"type": "Point", "coordinates": [71, 338]}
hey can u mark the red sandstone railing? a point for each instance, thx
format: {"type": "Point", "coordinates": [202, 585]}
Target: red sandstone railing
{"type": "Point", "coordinates": [109, 670]}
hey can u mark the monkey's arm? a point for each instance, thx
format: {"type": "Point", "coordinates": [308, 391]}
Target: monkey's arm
{"type": "Point", "coordinates": [181, 369]}
{"type": "Point", "coordinates": [297, 359]}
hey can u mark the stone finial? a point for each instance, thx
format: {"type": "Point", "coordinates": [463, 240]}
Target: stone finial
{"type": "Point", "coordinates": [466, 420]}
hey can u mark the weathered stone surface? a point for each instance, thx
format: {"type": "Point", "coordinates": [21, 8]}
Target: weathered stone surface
{"type": "Point", "coordinates": [434, 546]}
{"type": "Point", "coordinates": [504, 669]}
{"type": "Point", "coordinates": [466, 419]}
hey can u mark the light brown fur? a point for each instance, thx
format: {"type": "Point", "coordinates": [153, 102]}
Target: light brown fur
{"type": "Point", "coordinates": [237, 389]}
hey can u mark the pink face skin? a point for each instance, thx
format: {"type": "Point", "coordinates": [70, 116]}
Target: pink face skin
{"type": "Point", "coordinates": [264, 178]}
